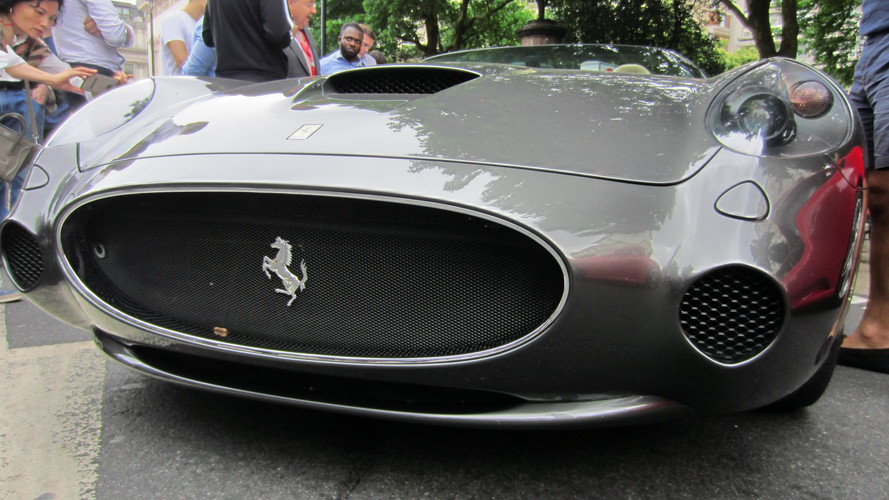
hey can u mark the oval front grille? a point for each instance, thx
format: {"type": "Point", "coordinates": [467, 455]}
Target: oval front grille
{"type": "Point", "coordinates": [382, 280]}
{"type": "Point", "coordinates": [732, 314]}
{"type": "Point", "coordinates": [23, 255]}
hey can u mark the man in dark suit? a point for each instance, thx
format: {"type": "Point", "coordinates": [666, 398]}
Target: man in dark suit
{"type": "Point", "coordinates": [302, 54]}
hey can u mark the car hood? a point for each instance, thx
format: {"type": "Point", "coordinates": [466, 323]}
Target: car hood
{"type": "Point", "coordinates": [649, 129]}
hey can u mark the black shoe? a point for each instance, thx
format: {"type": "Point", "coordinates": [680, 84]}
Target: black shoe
{"type": "Point", "coordinates": [7, 295]}
{"type": "Point", "coordinates": [875, 360]}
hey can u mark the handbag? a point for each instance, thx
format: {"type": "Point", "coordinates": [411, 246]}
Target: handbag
{"type": "Point", "coordinates": [16, 150]}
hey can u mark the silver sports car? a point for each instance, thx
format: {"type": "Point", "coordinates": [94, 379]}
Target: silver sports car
{"type": "Point", "coordinates": [529, 236]}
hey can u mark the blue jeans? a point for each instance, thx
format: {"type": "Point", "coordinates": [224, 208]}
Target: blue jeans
{"type": "Point", "coordinates": [14, 101]}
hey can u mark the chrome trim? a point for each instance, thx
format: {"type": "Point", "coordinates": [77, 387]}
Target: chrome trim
{"type": "Point", "coordinates": [97, 302]}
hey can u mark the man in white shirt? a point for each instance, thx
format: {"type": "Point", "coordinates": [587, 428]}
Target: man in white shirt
{"type": "Point", "coordinates": [89, 33]}
{"type": "Point", "coordinates": [177, 37]}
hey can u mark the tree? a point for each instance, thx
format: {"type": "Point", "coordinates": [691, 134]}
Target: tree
{"type": "Point", "coordinates": [663, 23]}
{"type": "Point", "coordinates": [757, 19]}
{"type": "Point", "coordinates": [740, 57]}
{"type": "Point", "coordinates": [435, 26]}
{"type": "Point", "coordinates": [829, 31]}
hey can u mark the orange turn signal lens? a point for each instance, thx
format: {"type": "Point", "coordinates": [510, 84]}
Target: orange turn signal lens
{"type": "Point", "coordinates": [810, 99]}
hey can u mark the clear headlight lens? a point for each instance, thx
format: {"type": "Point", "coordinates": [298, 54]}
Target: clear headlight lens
{"type": "Point", "coordinates": [760, 114]}
{"type": "Point", "coordinates": [782, 108]}
{"type": "Point", "coordinates": [105, 113]}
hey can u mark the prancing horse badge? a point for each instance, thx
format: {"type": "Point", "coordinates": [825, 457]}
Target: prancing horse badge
{"type": "Point", "coordinates": [279, 264]}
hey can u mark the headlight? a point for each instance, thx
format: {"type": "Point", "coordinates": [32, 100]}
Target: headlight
{"type": "Point", "coordinates": [782, 108]}
{"type": "Point", "coordinates": [105, 113]}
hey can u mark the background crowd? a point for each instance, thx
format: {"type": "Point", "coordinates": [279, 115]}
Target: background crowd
{"type": "Point", "coordinates": [55, 44]}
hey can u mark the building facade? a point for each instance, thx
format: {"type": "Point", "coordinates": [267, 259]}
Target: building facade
{"type": "Point", "coordinates": [728, 28]}
{"type": "Point", "coordinates": [154, 12]}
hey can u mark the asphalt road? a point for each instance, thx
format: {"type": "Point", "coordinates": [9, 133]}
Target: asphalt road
{"type": "Point", "coordinates": [75, 425]}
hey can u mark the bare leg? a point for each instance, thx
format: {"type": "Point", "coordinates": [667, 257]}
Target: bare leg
{"type": "Point", "coordinates": [873, 331]}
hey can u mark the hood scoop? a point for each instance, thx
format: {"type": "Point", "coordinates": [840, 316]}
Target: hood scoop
{"type": "Point", "coordinates": [396, 80]}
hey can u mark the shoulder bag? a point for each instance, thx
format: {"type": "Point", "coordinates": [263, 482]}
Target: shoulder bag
{"type": "Point", "coordinates": [15, 148]}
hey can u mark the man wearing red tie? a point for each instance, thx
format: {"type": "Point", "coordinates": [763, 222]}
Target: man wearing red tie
{"type": "Point", "coordinates": [302, 54]}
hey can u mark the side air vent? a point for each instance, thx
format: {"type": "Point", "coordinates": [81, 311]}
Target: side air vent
{"type": "Point", "coordinates": [397, 80]}
{"type": "Point", "coordinates": [25, 262]}
{"type": "Point", "coordinates": [732, 314]}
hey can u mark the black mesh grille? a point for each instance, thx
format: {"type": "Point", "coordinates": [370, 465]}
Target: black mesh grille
{"type": "Point", "coordinates": [384, 280]}
{"type": "Point", "coordinates": [23, 255]}
{"type": "Point", "coordinates": [732, 314]}
{"type": "Point", "coordinates": [397, 80]}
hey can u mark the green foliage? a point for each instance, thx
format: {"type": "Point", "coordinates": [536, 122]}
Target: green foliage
{"type": "Point", "coordinates": [410, 29]}
{"type": "Point", "coordinates": [829, 30]}
{"type": "Point", "coordinates": [498, 30]}
{"type": "Point", "coordinates": [338, 13]}
{"type": "Point", "coordinates": [740, 57]}
{"type": "Point", "coordinates": [662, 23]}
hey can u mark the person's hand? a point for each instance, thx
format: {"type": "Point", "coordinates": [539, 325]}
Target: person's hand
{"type": "Point", "coordinates": [61, 80]}
{"type": "Point", "coordinates": [39, 93]}
{"type": "Point", "coordinates": [90, 27]}
{"type": "Point", "coordinates": [122, 77]}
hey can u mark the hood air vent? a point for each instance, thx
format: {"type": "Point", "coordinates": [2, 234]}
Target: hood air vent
{"type": "Point", "coordinates": [397, 80]}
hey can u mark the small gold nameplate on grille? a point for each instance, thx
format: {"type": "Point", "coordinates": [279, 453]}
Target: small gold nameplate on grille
{"type": "Point", "coordinates": [220, 331]}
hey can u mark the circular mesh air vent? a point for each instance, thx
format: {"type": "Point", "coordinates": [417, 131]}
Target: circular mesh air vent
{"type": "Point", "coordinates": [732, 314]}
{"type": "Point", "coordinates": [23, 256]}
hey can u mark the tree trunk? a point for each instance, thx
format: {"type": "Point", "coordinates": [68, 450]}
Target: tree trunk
{"type": "Point", "coordinates": [789, 30]}
{"type": "Point", "coordinates": [433, 35]}
{"type": "Point", "coordinates": [761, 27]}
{"type": "Point", "coordinates": [757, 21]}
{"type": "Point", "coordinates": [460, 26]}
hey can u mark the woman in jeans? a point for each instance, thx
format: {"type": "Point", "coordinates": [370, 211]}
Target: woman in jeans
{"type": "Point", "coordinates": [24, 56]}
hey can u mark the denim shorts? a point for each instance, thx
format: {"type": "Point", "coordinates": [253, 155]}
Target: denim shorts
{"type": "Point", "coordinates": [870, 95]}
